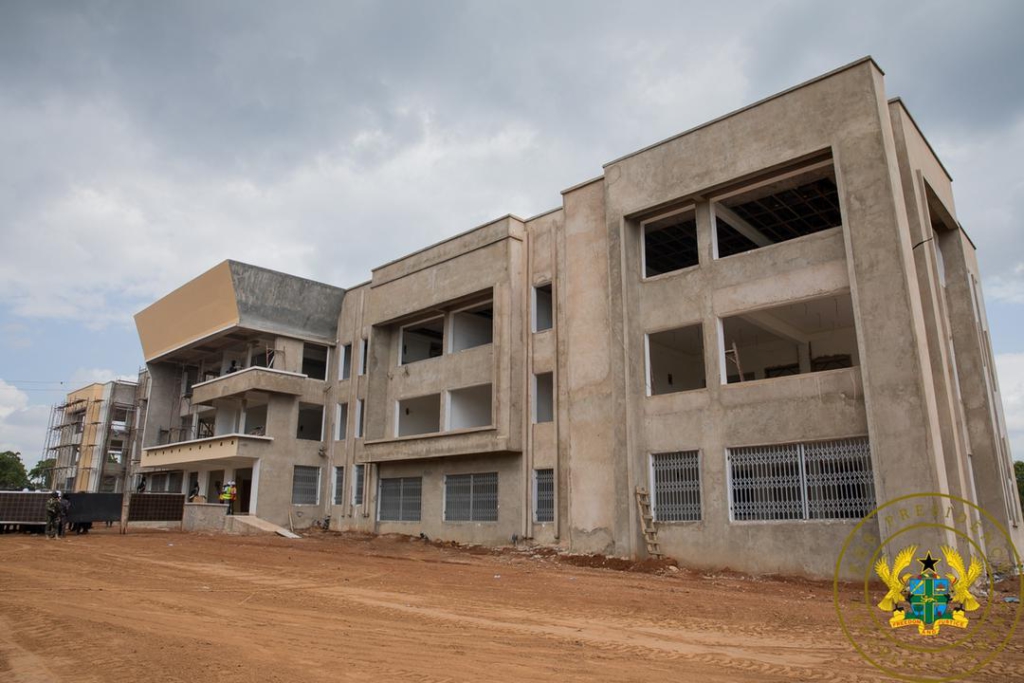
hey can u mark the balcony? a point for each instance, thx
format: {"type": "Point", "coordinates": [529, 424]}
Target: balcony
{"type": "Point", "coordinates": [452, 443]}
{"type": "Point", "coordinates": [227, 450]}
{"type": "Point", "coordinates": [253, 378]}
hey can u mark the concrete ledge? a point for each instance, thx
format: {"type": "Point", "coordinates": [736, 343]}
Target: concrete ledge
{"type": "Point", "coordinates": [249, 379]}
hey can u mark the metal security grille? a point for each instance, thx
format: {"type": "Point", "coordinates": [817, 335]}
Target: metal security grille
{"type": "Point", "coordinates": [815, 480]}
{"type": "Point", "coordinates": [339, 485]}
{"type": "Point", "coordinates": [399, 499]}
{"type": "Point", "coordinates": [471, 497]}
{"type": "Point", "coordinates": [357, 486]}
{"type": "Point", "coordinates": [305, 485]}
{"type": "Point", "coordinates": [545, 495]}
{"type": "Point", "coordinates": [766, 482]}
{"type": "Point", "coordinates": [676, 486]}
{"type": "Point", "coordinates": [840, 484]}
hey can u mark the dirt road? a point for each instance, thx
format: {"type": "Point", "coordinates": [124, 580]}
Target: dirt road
{"type": "Point", "coordinates": [160, 606]}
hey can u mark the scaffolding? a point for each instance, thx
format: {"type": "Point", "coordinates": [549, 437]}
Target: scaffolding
{"type": "Point", "coordinates": [81, 437]}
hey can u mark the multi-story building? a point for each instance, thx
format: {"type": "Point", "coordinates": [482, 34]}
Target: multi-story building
{"type": "Point", "coordinates": [773, 322]}
{"type": "Point", "coordinates": [90, 437]}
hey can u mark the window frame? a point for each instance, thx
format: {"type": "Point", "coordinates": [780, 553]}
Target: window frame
{"type": "Point", "coordinates": [803, 481]}
{"type": "Point", "coordinates": [449, 327]}
{"type": "Point", "coordinates": [338, 492]}
{"type": "Point", "coordinates": [319, 477]}
{"type": "Point", "coordinates": [654, 489]}
{"type": "Point", "coordinates": [471, 501]}
{"type": "Point", "coordinates": [533, 307]}
{"type": "Point", "coordinates": [359, 484]}
{"type": "Point", "coordinates": [443, 317]}
{"type": "Point", "coordinates": [364, 354]}
{"type": "Point", "coordinates": [401, 500]}
{"type": "Point", "coordinates": [341, 421]}
{"type": "Point", "coordinates": [642, 233]}
{"type": "Point", "coordinates": [345, 362]}
{"type": "Point", "coordinates": [536, 495]}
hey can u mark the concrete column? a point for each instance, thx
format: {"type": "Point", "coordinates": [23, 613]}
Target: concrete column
{"type": "Point", "coordinates": [990, 460]}
{"type": "Point", "coordinates": [891, 336]}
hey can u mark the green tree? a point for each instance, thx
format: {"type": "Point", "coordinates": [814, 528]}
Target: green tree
{"type": "Point", "coordinates": [1018, 469]}
{"type": "Point", "coordinates": [12, 471]}
{"type": "Point", "coordinates": [42, 474]}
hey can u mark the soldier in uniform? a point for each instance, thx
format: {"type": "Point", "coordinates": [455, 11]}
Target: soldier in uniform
{"type": "Point", "coordinates": [52, 515]}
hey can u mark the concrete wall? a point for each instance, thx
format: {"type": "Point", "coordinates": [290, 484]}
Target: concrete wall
{"type": "Point", "coordinates": [431, 514]}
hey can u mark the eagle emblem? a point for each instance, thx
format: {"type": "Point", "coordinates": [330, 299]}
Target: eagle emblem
{"type": "Point", "coordinates": [928, 600]}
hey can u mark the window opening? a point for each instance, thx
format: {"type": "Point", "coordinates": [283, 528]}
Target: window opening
{"type": "Point", "coordinates": [676, 486]}
{"type": "Point", "coordinates": [358, 484]}
{"type": "Point", "coordinates": [670, 243]}
{"type": "Point", "coordinates": [305, 485]}
{"type": "Point", "coordinates": [472, 327]}
{"type": "Point", "coordinates": [807, 336]}
{"type": "Point", "coordinates": [314, 361]}
{"type": "Point", "coordinates": [544, 397]}
{"type": "Point", "coordinates": [793, 205]}
{"type": "Point", "coordinates": [423, 340]}
{"type": "Point", "coordinates": [420, 415]}
{"type": "Point", "coordinates": [471, 497]}
{"type": "Point", "coordinates": [311, 422]}
{"type": "Point", "coordinates": [341, 423]}
{"type": "Point", "coordinates": [675, 360]}
{"type": "Point", "coordinates": [339, 485]}
{"type": "Point", "coordinates": [346, 362]}
{"type": "Point", "coordinates": [399, 499]}
{"type": "Point", "coordinates": [364, 355]}
{"type": "Point", "coordinates": [543, 308]}
{"type": "Point", "coordinates": [469, 407]}
{"type": "Point", "coordinates": [815, 480]}
{"type": "Point", "coordinates": [544, 495]}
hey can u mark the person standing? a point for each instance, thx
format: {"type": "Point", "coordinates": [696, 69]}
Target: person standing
{"type": "Point", "coordinates": [52, 515]}
{"type": "Point", "coordinates": [65, 513]}
{"type": "Point", "coordinates": [228, 495]}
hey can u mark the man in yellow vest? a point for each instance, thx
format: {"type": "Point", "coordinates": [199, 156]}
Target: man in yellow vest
{"type": "Point", "coordinates": [228, 495]}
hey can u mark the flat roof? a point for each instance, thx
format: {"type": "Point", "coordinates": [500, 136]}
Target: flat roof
{"type": "Point", "coordinates": [758, 103]}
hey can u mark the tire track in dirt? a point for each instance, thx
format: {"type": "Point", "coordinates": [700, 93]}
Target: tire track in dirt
{"type": "Point", "coordinates": [768, 656]}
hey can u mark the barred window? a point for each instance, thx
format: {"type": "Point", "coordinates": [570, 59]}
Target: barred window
{"type": "Point", "coordinates": [305, 485]}
{"type": "Point", "coordinates": [471, 497]}
{"type": "Point", "coordinates": [339, 485]}
{"type": "Point", "coordinates": [676, 486]}
{"type": "Point", "coordinates": [815, 480]}
{"type": "Point", "coordinates": [544, 495]}
{"type": "Point", "coordinates": [357, 485]}
{"type": "Point", "coordinates": [399, 499]}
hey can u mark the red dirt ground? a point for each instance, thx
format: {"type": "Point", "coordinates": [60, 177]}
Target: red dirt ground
{"type": "Point", "coordinates": [165, 606]}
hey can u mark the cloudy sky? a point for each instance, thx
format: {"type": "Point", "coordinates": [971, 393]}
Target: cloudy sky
{"type": "Point", "coordinates": [142, 143]}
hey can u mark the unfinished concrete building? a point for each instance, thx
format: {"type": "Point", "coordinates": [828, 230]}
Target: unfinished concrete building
{"type": "Point", "coordinates": [772, 323]}
{"type": "Point", "coordinates": [89, 437]}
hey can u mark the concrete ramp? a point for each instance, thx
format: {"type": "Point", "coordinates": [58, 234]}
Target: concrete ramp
{"type": "Point", "coordinates": [250, 524]}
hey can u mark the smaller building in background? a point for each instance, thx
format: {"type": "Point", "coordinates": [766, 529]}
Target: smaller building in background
{"type": "Point", "coordinates": [91, 436]}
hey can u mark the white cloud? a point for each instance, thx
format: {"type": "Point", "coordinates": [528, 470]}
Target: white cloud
{"type": "Point", "coordinates": [1011, 385]}
{"type": "Point", "coordinates": [22, 425]}
{"type": "Point", "coordinates": [989, 192]}
{"type": "Point", "coordinates": [85, 376]}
